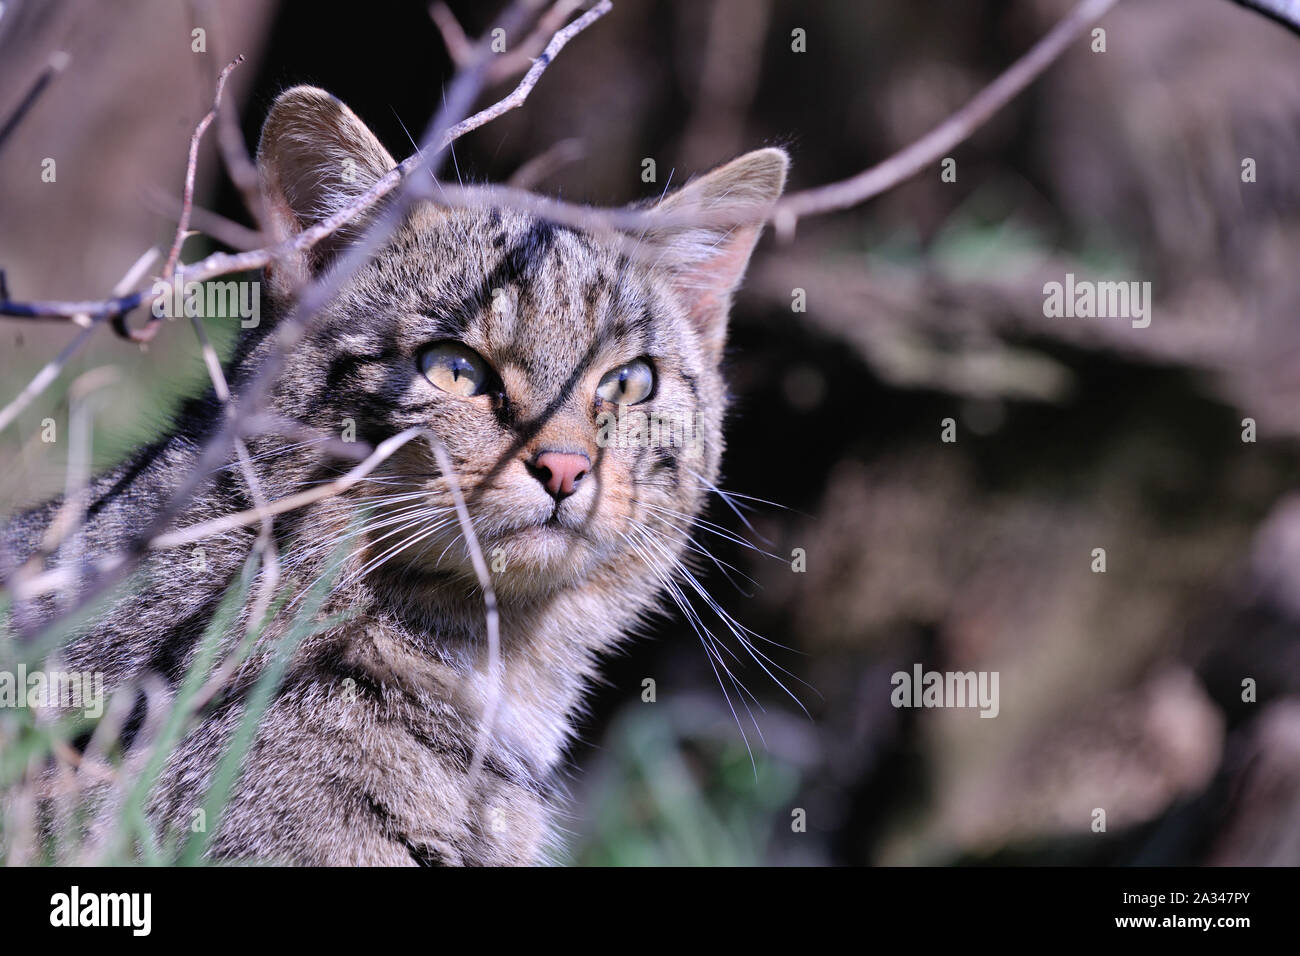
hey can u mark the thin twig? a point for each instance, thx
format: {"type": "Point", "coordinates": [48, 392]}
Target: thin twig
{"type": "Point", "coordinates": [492, 619]}
{"type": "Point", "coordinates": [187, 205]}
{"type": "Point", "coordinates": [59, 577]}
{"type": "Point", "coordinates": [518, 56]}
{"type": "Point", "coordinates": [51, 370]}
{"type": "Point", "coordinates": [426, 159]}
{"type": "Point", "coordinates": [222, 263]}
{"type": "Point", "coordinates": [206, 529]}
{"type": "Point", "coordinates": [223, 230]}
{"type": "Point", "coordinates": [1285, 12]}
{"type": "Point", "coordinates": [68, 520]}
{"type": "Point", "coordinates": [545, 164]}
{"type": "Point", "coordinates": [932, 147]}
{"type": "Point", "coordinates": [55, 65]}
{"type": "Point", "coordinates": [266, 537]}
{"type": "Point", "coordinates": [453, 34]}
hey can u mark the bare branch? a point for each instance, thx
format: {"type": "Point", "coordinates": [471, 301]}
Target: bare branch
{"type": "Point", "coordinates": [187, 205]}
{"type": "Point", "coordinates": [51, 370]}
{"type": "Point", "coordinates": [55, 65]}
{"type": "Point", "coordinates": [266, 538]}
{"type": "Point", "coordinates": [226, 231]}
{"type": "Point", "coordinates": [493, 624]}
{"type": "Point", "coordinates": [206, 529]}
{"type": "Point", "coordinates": [931, 147]}
{"type": "Point", "coordinates": [60, 577]}
{"type": "Point", "coordinates": [519, 56]}
{"type": "Point", "coordinates": [1285, 12]}
{"type": "Point", "coordinates": [830, 198]}
{"type": "Point", "coordinates": [220, 263]}
{"type": "Point", "coordinates": [453, 34]}
{"type": "Point", "coordinates": [542, 166]}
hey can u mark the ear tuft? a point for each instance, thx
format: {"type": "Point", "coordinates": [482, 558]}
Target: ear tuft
{"type": "Point", "coordinates": [753, 181]}
{"type": "Point", "coordinates": [315, 157]}
{"type": "Point", "coordinates": [706, 255]}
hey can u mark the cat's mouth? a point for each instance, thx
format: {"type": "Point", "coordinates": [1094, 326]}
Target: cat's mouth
{"type": "Point", "coordinates": [541, 554]}
{"type": "Point", "coordinates": [557, 523]}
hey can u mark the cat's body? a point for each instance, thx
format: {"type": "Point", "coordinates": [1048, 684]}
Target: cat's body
{"type": "Point", "coordinates": [363, 755]}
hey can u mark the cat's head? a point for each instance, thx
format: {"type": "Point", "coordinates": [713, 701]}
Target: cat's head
{"type": "Point", "coordinates": [574, 381]}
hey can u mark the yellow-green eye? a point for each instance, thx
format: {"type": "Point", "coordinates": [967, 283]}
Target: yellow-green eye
{"type": "Point", "coordinates": [627, 384]}
{"type": "Point", "coordinates": [455, 368]}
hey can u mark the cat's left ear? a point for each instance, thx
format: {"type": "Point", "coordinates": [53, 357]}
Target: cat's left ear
{"type": "Point", "coordinates": [715, 222]}
{"type": "Point", "coordinates": [314, 158]}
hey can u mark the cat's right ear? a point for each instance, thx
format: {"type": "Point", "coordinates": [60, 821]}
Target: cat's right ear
{"type": "Point", "coordinates": [315, 157]}
{"type": "Point", "coordinates": [706, 259]}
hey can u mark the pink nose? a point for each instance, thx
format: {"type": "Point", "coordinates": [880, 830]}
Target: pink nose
{"type": "Point", "coordinates": [560, 471]}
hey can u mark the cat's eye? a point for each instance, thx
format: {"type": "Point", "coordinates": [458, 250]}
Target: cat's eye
{"type": "Point", "coordinates": [455, 368]}
{"type": "Point", "coordinates": [627, 384]}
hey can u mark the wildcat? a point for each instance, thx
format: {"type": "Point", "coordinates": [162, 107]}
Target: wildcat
{"type": "Point", "coordinates": [507, 337]}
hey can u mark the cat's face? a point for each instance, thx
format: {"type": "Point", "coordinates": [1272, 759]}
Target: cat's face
{"type": "Point", "coordinates": [575, 385]}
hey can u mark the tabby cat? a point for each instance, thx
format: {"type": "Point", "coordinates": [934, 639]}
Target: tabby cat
{"type": "Point", "coordinates": [508, 337]}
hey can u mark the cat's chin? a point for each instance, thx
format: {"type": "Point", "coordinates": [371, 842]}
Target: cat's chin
{"type": "Point", "coordinates": [528, 560]}
{"type": "Point", "coordinates": [539, 557]}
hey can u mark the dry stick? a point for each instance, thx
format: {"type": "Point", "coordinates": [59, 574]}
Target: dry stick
{"type": "Point", "coordinates": [836, 196]}
{"type": "Point", "coordinates": [493, 624]}
{"type": "Point", "coordinates": [223, 230]}
{"type": "Point", "coordinates": [264, 423]}
{"type": "Point", "coordinates": [314, 234]}
{"type": "Point", "coordinates": [1285, 12]}
{"type": "Point", "coordinates": [453, 34]}
{"type": "Point", "coordinates": [439, 135]}
{"type": "Point", "coordinates": [71, 515]}
{"type": "Point", "coordinates": [52, 368]}
{"type": "Point", "coordinates": [880, 178]}
{"type": "Point", "coordinates": [809, 202]}
{"type": "Point", "coordinates": [55, 65]}
{"type": "Point", "coordinates": [222, 263]}
{"type": "Point", "coordinates": [382, 452]}
{"type": "Point", "coordinates": [239, 166]}
{"type": "Point", "coordinates": [58, 577]}
{"type": "Point", "coordinates": [931, 147]}
{"type": "Point", "coordinates": [515, 60]}
{"type": "Point", "coordinates": [817, 200]}
{"type": "Point", "coordinates": [556, 156]}
{"type": "Point", "coordinates": [224, 523]}
{"type": "Point", "coordinates": [460, 95]}
{"type": "Point", "coordinates": [191, 167]}
{"type": "Point", "coordinates": [187, 204]}
{"type": "Point", "coordinates": [266, 512]}
{"type": "Point", "coordinates": [265, 542]}
{"type": "Point", "coordinates": [317, 294]}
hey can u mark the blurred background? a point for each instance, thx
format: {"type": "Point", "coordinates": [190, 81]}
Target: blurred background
{"type": "Point", "coordinates": [1120, 690]}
